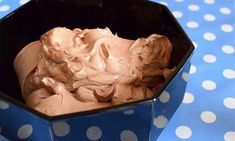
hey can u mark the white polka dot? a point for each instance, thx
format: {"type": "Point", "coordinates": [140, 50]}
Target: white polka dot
{"type": "Point", "coordinates": [209, 17]}
{"type": "Point", "coordinates": [25, 131]}
{"type": "Point", "coordinates": [185, 76]}
{"type": "Point", "coordinates": [94, 133]}
{"type": "Point", "coordinates": [179, 0]}
{"type": "Point", "coordinates": [193, 69]}
{"type": "Point", "coordinates": [164, 97]}
{"type": "Point", "coordinates": [226, 28]}
{"type": "Point", "coordinates": [4, 8]}
{"type": "Point", "coordinates": [193, 7]}
{"type": "Point", "coordinates": [177, 14]}
{"type": "Point", "coordinates": [188, 98]}
{"type": "Point", "coordinates": [129, 112]}
{"type": "Point", "coordinates": [209, 36]}
{"type": "Point", "coordinates": [209, 85]}
{"type": "Point", "coordinates": [209, 1]}
{"type": "Point", "coordinates": [163, 3]}
{"type": "Point", "coordinates": [195, 44]}
{"type": "Point", "coordinates": [128, 135]}
{"type": "Point", "coordinates": [228, 49]}
{"type": "Point", "coordinates": [183, 132]}
{"type": "Point", "coordinates": [3, 105]}
{"type": "Point", "coordinates": [23, 1]}
{"type": "Point", "coordinates": [208, 117]}
{"type": "Point", "coordinates": [61, 128]}
{"type": "Point", "coordinates": [209, 58]}
{"type": "Point", "coordinates": [229, 102]}
{"type": "Point", "coordinates": [225, 10]}
{"type": "Point", "coordinates": [192, 24]}
{"type": "Point", "coordinates": [229, 73]}
{"type": "Point", "coordinates": [160, 121]}
{"type": "Point", "coordinates": [229, 136]}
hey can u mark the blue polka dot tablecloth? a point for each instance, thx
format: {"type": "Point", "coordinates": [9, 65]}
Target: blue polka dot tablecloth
{"type": "Point", "coordinates": [207, 112]}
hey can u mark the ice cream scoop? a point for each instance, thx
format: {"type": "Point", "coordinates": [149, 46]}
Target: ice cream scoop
{"type": "Point", "coordinates": [76, 70]}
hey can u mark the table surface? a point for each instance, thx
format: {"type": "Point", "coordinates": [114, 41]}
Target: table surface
{"type": "Point", "coordinates": [207, 112]}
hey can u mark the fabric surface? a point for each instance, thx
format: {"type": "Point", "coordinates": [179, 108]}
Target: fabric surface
{"type": "Point", "coordinates": [208, 109]}
{"type": "Point", "coordinates": [207, 112]}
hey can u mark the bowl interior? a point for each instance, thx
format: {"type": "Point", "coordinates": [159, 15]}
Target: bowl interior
{"type": "Point", "coordinates": [128, 18]}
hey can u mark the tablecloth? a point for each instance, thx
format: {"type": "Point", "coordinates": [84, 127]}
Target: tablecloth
{"type": "Point", "coordinates": [207, 112]}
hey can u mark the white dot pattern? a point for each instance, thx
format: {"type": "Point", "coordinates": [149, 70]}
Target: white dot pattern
{"type": "Point", "coordinates": [229, 136]}
{"type": "Point", "coordinates": [188, 98]}
{"type": "Point", "coordinates": [193, 7]}
{"type": "Point", "coordinates": [209, 36]}
{"type": "Point", "coordinates": [3, 105]}
{"type": "Point", "coordinates": [164, 97]}
{"type": "Point", "coordinates": [129, 112]}
{"type": "Point", "coordinates": [128, 135]}
{"type": "Point", "coordinates": [23, 1]}
{"type": "Point", "coordinates": [228, 49]}
{"type": "Point", "coordinates": [61, 128]}
{"type": "Point", "coordinates": [209, 17]}
{"type": "Point", "coordinates": [25, 131]}
{"type": "Point", "coordinates": [183, 132]}
{"type": "Point", "coordinates": [177, 14]}
{"type": "Point", "coordinates": [229, 102]}
{"type": "Point", "coordinates": [4, 8]}
{"type": "Point", "coordinates": [209, 85]}
{"type": "Point", "coordinates": [229, 73]}
{"type": "Point", "coordinates": [208, 117]}
{"type": "Point", "coordinates": [226, 28]}
{"type": "Point", "coordinates": [185, 76]}
{"type": "Point", "coordinates": [193, 69]}
{"type": "Point", "coordinates": [192, 24]}
{"type": "Point", "coordinates": [179, 0]}
{"type": "Point", "coordinates": [94, 133]}
{"type": "Point", "coordinates": [209, 1]}
{"type": "Point", "coordinates": [160, 121]}
{"type": "Point", "coordinates": [225, 10]}
{"type": "Point", "coordinates": [209, 58]}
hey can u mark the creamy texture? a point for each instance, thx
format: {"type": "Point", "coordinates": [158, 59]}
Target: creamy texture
{"type": "Point", "coordinates": [76, 70]}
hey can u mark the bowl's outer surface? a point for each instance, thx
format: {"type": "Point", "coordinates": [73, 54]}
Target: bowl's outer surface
{"type": "Point", "coordinates": [130, 19]}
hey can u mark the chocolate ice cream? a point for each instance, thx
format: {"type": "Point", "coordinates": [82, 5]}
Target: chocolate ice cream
{"type": "Point", "coordinates": [76, 70]}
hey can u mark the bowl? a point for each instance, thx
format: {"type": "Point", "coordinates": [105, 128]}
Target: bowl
{"type": "Point", "coordinates": [135, 121]}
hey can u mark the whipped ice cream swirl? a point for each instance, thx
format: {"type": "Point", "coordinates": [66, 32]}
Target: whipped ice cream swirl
{"type": "Point", "coordinates": [76, 70]}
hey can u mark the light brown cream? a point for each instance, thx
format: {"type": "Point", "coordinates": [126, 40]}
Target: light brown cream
{"type": "Point", "coordinates": [76, 70]}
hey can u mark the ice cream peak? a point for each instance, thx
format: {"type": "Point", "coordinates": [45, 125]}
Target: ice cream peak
{"type": "Point", "coordinates": [76, 70]}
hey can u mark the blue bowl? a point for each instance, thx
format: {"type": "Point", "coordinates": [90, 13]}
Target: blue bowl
{"type": "Point", "coordinates": [137, 121]}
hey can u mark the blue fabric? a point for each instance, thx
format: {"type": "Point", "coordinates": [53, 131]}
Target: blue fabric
{"type": "Point", "coordinates": [207, 112]}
